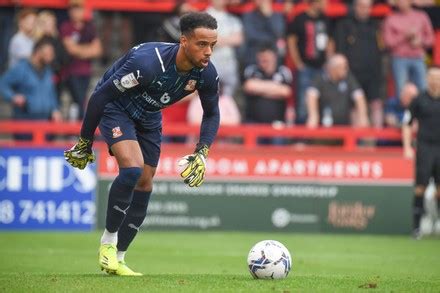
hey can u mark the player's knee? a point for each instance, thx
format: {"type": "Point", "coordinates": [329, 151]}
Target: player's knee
{"type": "Point", "coordinates": [145, 186]}
{"type": "Point", "coordinates": [145, 183]}
{"type": "Point", "coordinates": [129, 176]}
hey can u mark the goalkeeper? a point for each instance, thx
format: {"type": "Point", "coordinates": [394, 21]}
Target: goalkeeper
{"type": "Point", "coordinates": [126, 105]}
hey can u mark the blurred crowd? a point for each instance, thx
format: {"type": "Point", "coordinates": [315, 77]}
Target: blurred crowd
{"type": "Point", "coordinates": [274, 67]}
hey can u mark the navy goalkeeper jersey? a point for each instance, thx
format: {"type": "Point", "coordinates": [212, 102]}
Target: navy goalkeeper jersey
{"type": "Point", "coordinates": [146, 80]}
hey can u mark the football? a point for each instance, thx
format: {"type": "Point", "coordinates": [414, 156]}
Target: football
{"type": "Point", "coordinates": [269, 259]}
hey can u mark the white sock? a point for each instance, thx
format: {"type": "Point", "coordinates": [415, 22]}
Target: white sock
{"type": "Point", "coordinates": [121, 255]}
{"type": "Point", "coordinates": [109, 238]}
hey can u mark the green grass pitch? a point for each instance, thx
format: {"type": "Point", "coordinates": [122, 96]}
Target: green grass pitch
{"type": "Point", "coordinates": [216, 262]}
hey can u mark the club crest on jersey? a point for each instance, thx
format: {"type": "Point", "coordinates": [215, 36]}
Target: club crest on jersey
{"type": "Point", "coordinates": [191, 85]}
{"type": "Point", "coordinates": [129, 81]}
{"type": "Point", "coordinates": [117, 132]}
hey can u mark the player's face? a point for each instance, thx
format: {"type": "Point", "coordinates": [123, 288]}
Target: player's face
{"type": "Point", "coordinates": [199, 45]}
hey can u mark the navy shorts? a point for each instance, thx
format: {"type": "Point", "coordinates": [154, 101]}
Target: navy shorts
{"type": "Point", "coordinates": [117, 126]}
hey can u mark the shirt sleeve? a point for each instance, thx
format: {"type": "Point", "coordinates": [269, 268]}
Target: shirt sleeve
{"type": "Point", "coordinates": [427, 32]}
{"type": "Point", "coordinates": [123, 81]}
{"type": "Point", "coordinates": [315, 87]}
{"type": "Point", "coordinates": [249, 72]}
{"type": "Point", "coordinates": [64, 31]}
{"type": "Point", "coordinates": [10, 81]}
{"type": "Point", "coordinates": [411, 112]}
{"type": "Point", "coordinates": [354, 87]}
{"type": "Point", "coordinates": [211, 113]}
{"type": "Point", "coordinates": [287, 75]}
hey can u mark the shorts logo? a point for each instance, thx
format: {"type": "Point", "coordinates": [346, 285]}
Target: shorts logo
{"type": "Point", "coordinates": [116, 132]}
{"type": "Point", "coordinates": [129, 81]}
{"type": "Point", "coordinates": [191, 85]}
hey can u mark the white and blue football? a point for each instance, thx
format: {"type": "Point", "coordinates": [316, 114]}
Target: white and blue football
{"type": "Point", "coordinates": [269, 259]}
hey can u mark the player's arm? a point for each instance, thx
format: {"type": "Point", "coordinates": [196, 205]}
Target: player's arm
{"type": "Point", "coordinates": [408, 119]}
{"type": "Point", "coordinates": [312, 103]}
{"type": "Point", "coordinates": [267, 88]}
{"type": "Point", "coordinates": [361, 107]}
{"type": "Point", "coordinates": [292, 47]}
{"type": "Point", "coordinates": [195, 164]}
{"type": "Point", "coordinates": [81, 154]}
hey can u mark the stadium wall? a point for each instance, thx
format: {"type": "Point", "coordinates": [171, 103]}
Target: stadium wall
{"type": "Point", "coordinates": [279, 190]}
{"type": "Point", "coordinates": [263, 190]}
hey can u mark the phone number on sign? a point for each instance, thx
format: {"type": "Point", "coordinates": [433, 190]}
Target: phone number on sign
{"type": "Point", "coordinates": [48, 212]}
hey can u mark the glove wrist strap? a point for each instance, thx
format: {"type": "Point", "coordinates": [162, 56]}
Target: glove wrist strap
{"type": "Point", "coordinates": [202, 149]}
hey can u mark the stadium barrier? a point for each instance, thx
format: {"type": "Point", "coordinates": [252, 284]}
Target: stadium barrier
{"type": "Point", "coordinates": [245, 135]}
{"type": "Point", "coordinates": [345, 189]}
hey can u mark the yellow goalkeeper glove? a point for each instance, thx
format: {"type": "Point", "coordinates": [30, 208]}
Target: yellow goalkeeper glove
{"type": "Point", "coordinates": [80, 154]}
{"type": "Point", "coordinates": [195, 166]}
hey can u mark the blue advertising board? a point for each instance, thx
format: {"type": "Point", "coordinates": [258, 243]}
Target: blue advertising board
{"type": "Point", "coordinates": [39, 190]}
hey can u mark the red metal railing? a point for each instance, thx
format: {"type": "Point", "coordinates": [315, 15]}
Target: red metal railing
{"type": "Point", "coordinates": [245, 135]}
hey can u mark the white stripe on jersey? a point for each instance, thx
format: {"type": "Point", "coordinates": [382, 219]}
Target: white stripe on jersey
{"type": "Point", "coordinates": [160, 59]}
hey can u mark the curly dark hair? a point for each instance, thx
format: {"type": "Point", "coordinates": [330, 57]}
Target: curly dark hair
{"type": "Point", "coordinates": [192, 20]}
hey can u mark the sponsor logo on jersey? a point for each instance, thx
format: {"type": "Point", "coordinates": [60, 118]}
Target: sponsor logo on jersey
{"type": "Point", "coordinates": [117, 132]}
{"type": "Point", "coordinates": [151, 101]}
{"type": "Point", "coordinates": [129, 81]}
{"type": "Point", "coordinates": [165, 98]}
{"type": "Point", "coordinates": [191, 85]}
{"type": "Point", "coordinates": [118, 85]}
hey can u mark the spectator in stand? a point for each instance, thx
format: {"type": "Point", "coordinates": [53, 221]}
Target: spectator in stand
{"type": "Point", "coordinates": [426, 109]}
{"type": "Point", "coordinates": [267, 88]}
{"type": "Point", "coordinates": [357, 38]}
{"type": "Point", "coordinates": [308, 43]}
{"type": "Point", "coordinates": [46, 26]}
{"type": "Point", "coordinates": [82, 45]}
{"type": "Point", "coordinates": [395, 107]}
{"type": "Point", "coordinates": [336, 98]}
{"type": "Point", "coordinates": [170, 29]}
{"type": "Point", "coordinates": [230, 36]}
{"type": "Point", "coordinates": [29, 86]}
{"type": "Point", "coordinates": [22, 42]}
{"type": "Point", "coordinates": [407, 34]}
{"type": "Point", "coordinates": [262, 26]}
{"type": "Point", "coordinates": [110, 27]}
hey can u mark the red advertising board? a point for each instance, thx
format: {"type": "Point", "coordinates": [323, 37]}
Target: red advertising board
{"type": "Point", "coordinates": [236, 164]}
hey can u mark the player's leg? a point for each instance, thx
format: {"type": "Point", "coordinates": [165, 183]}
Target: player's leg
{"type": "Point", "coordinates": [437, 179]}
{"type": "Point", "coordinates": [119, 132]}
{"type": "Point", "coordinates": [150, 144]}
{"type": "Point", "coordinates": [133, 220]}
{"type": "Point", "coordinates": [424, 169]}
{"type": "Point", "coordinates": [129, 158]}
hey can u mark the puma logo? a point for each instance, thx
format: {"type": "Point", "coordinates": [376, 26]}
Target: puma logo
{"type": "Point", "coordinates": [131, 225]}
{"type": "Point", "coordinates": [120, 210]}
{"type": "Point", "coordinates": [138, 74]}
